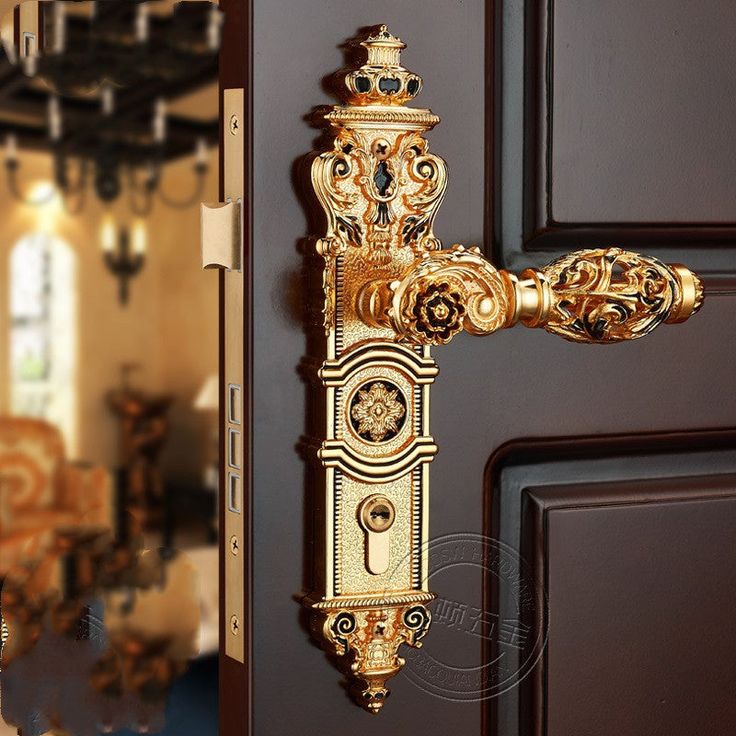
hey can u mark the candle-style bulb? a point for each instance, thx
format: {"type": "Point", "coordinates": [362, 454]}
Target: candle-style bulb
{"type": "Point", "coordinates": [108, 100]}
{"type": "Point", "coordinates": [159, 121]}
{"type": "Point", "coordinates": [55, 119]}
{"type": "Point", "coordinates": [139, 238]}
{"type": "Point", "coordinates": [142, 23]}
{"type": "Point", "coordinates": [214, 24]}
{"type": "Point", "coordinates": [201, 152]}
{"type": "Point", "coordinates": [108, 235]}
{"type": "Point", "coordinates": [59, 26]}
{"type": "Point", "coordinates": [11, 148]}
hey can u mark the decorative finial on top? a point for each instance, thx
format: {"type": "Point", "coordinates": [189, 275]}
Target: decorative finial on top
{"type": "Point", "coordinates": [382, 80]}
{"type": "Point", "coordinates": [384, 49]}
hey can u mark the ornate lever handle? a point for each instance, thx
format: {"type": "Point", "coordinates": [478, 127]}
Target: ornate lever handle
{"type": "Point", "coordinates": [589, 296]}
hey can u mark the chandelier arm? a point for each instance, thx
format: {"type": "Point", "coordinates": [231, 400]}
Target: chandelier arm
{"type": "Point", "coordinates": [145, 209]}
{"type": "Point", "coordinates": [81, 182]}
{"type": "Point", "coordinates": [144, 186]}
{"type": "Point", "coordinates": [81, 194]}
{"type": "Point", "coordinates": [136, 192]}
{"type": "Point", "coordinates": [18, 195]}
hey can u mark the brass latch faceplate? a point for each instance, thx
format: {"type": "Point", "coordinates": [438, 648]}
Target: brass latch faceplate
{"type": "Point", "coordinates": [221, 235]}
{"type": "Point", "coordinates": [222, 246]}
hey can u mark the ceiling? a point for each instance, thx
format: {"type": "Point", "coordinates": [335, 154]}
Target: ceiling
{"type": "Point", "coordinates": [173, 65]}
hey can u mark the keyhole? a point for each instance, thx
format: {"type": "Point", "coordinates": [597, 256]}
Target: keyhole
{"type": "Point", "coordinates": [378, 514]}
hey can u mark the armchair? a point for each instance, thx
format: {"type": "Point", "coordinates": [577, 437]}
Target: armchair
{"type": "Point", "coordinates": [41, 492]}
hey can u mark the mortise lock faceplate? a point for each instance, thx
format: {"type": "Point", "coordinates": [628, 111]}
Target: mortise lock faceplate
{"type": "Point", "coordinates": [222, 246]}
{"type": "Point", "coordinates": [391, 293]}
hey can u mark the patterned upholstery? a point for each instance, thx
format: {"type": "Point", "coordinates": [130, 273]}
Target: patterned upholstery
{"type": "Point", "coordinates": [40, 491]}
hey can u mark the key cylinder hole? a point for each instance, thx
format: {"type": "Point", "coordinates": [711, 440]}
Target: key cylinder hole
{"type": "Point", "coordinates": [377, 514]}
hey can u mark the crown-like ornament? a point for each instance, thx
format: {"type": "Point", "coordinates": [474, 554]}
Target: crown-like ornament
{"type": "Point", "coordinates": [382, 80]}
{"type": "Point", "coordinates": [377, 92]}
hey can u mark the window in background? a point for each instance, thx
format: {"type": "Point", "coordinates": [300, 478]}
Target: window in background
{"type": "Point", "coordinates": [43, 332]}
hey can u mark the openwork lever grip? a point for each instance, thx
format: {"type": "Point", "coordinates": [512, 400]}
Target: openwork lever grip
{"type": "Point", "coordinates": [601, 295]}
{"type": "Point", "coordinates": [608, 295]}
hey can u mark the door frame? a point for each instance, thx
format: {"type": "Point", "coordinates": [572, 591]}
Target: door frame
{"type": "Point", "coordinates": [235, 678]}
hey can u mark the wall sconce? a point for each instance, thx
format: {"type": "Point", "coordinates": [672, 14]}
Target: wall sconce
{"type": "Point", "coordinates": [124, 254]}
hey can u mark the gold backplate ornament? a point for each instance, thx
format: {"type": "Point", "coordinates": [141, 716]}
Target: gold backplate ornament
{"type": "Point", "coordinates": [380, 188]}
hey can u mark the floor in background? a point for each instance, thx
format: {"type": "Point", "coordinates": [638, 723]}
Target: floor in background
{"type": "Point", "coordinates": [192, 708]}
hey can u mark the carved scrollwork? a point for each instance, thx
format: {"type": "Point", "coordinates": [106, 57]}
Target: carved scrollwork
{"type": "Point", "coordinates": [378, 192]}
{"type": "Point", "coordinates": [369, 638]}
{"type": "Point", "coordinates": [446, 292]}
{"type": "Point", "coordinates": [418, 620]}
{"type": "Point", "coordinates": [379, 186]}
{"type": "Point", "coordinates": [340, 626]}
{"type": "Point", "coordinates": [607, 295]}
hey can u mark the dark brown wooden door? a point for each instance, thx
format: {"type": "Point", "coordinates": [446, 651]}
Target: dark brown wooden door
{"type": "Point", "coordinates": [565, 124]}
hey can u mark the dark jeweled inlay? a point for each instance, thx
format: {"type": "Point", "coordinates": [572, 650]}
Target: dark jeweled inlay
{"type": "Point", "coordinates": [389, 86]}
{"type": "Point", "coordinates": [363, 84]}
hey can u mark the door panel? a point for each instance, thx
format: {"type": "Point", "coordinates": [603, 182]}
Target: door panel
{"type": "Point", "coordinates": [517, 383]}
{"type": "Point", "coordinates": [622, 133]}
{"type": "Point", "coordinates": [636, 555]}
{"type": "Point", "coordinates": [622, 112]}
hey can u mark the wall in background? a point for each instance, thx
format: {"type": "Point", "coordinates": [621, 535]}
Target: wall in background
{"type": "Point", "coordinates": [169, 326]}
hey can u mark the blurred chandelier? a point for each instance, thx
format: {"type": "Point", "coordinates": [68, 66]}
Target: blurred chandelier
{"type": "Point", "coordinates": [100, 74]}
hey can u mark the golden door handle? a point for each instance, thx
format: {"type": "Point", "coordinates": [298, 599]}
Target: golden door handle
{"type": "Point", "coordinates": [391, 292]}
{"type": "Point", "coordinates": [603, 295]}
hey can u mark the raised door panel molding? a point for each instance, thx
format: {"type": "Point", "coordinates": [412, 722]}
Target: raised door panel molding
{"type": "Point", "coordinates": [632, 538]}
{"type": "Point", "coordinates": [609, 129]}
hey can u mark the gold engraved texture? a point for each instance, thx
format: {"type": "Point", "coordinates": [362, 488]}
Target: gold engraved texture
{"type": "Point", "coordinates": [355, 578]}
{"type": "Point", "coordinates": [368, 638]}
